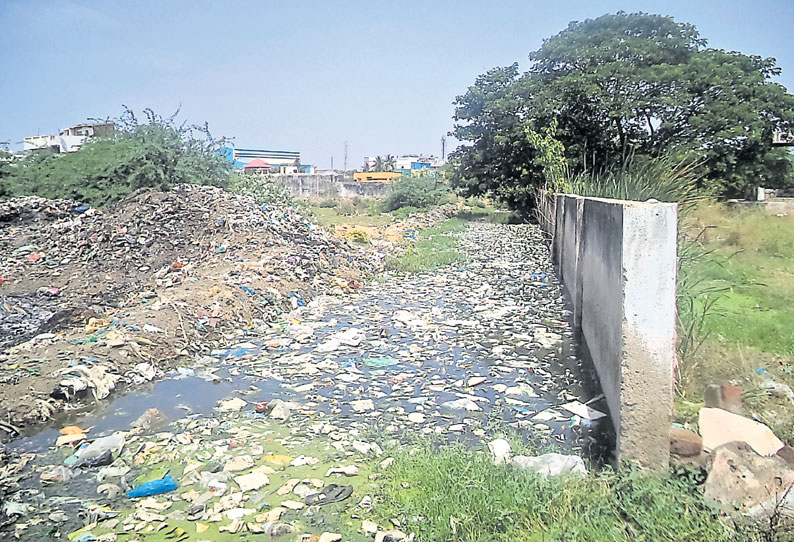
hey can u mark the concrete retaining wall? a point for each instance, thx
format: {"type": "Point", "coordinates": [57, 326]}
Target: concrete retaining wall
{"type": "Point", "coordinates": [617, 260]}
{"type": "Point", "coordinates": [310, 185]}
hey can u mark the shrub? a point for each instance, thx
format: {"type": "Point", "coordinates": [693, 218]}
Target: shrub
{"type": "Point", "coordinates": [419, 192]}
{"type": "Point", "coordinates": [262, 188]}
{"type": "Point", "coordinates": [328, 204]}
{"type": "Point", "coordinates": [158, 153]}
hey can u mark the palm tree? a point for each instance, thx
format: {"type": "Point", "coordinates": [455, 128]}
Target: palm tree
{"type": "Point", "coordinates": [390, 163]}
{"type": "Point", "coordinates": [379, 163]}
{"type": "Point", "coordinates": [365, 167]}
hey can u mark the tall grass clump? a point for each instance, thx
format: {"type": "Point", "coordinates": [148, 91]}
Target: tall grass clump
{"type": "Point", "coordinates": [664, 179]}
{"type": "Point", "coordinates": [454, 493]}
{"type": "Point", "coordinates": [420, 192]}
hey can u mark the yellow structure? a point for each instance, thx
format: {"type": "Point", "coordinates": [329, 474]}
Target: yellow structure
{"type": "Point", "coordinates": [376, 176]}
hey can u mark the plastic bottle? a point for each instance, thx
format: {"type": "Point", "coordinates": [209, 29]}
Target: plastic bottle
{"type": "Point", "coordinates": [87, 452]}
{"type": "Point", "coordinates": [154, 487]}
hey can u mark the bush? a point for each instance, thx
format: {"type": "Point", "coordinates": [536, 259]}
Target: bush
{"type": "Point", "coordinates": [262, 188]}
{"type": "Point", "coordinates": [358, 236]}
{"type": "Point", "coordinates": [328, 204]}
{"type": "Point", "coordinates": [421, 192]}
{"type": "Point", "coordinates": [158, 154]}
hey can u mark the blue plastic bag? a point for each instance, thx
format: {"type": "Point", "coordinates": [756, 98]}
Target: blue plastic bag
{"type": "Point", "coordinates": [154, 487]}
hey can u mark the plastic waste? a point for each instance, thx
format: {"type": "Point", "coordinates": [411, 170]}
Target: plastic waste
{"type": "Point", "coordinates": [93, 450]}
{"type": "Point", "coordinates": [154, 487]}
{"type": "Point", "coordinates": [106, 458]}
{"type": "Point", "coordinates": [380, 362]}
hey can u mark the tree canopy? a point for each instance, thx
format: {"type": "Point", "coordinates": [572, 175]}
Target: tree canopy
{"type": "Point", "coordinates": [619, 86]}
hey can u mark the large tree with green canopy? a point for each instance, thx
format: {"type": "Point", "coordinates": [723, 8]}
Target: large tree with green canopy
{"type": "Point", "coordinates": [621, 86]}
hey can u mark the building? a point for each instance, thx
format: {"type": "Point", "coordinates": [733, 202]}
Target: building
{"type": "Point", "coordinates": [240, 157]}
{"type": "Point", "coordinates": [376, 176]}
{"type": "Point", "coordinates": [70, 139]}
{"type": "Point", "coordinates": [408, 162]}
{"type": "Point", "coordinates": [257, 165]}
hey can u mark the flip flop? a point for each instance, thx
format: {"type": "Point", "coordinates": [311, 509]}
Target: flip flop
{"type": "Point", "coordinates": [330, 493]}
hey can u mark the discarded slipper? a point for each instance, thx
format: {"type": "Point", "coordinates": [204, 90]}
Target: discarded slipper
{"type": "Point", "coordinates": [330, 493]}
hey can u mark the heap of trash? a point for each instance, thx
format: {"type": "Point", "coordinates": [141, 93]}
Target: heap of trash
{"type": "Point", "coordinates": [88, 295]}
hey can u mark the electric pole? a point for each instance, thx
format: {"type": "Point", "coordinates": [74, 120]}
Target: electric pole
{"type": "Point", "coordinates": [345, 156]}
{"type": "Point", "coordinates": [443, 147]}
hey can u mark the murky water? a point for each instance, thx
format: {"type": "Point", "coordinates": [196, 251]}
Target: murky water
{"type": "Point", "coordinates": [449, 354]}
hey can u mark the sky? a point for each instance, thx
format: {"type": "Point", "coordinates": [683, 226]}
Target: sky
{"type": "Point", "coordinates": [307, 75]}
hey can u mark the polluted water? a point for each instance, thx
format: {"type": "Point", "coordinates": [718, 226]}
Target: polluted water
{"type": "Point", "coordinates": [287, 433]}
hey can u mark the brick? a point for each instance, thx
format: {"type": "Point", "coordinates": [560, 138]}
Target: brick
{"type": "Point", "coordinates": [685, 442]}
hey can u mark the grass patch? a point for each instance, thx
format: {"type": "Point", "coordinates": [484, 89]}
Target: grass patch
{"type": "Point", "coordinates": [433, 248]}
{"type": "Point", "coordinates": [329, 216]}
{"type": "Point", "coordinates": [754, 250]}
{"type": "Point", "coordinates": [452, 493]}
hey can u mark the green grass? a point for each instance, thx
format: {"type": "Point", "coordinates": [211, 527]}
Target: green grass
{"type": "Point", "coordinates": [452, 493]}
{"type": "Point", "coordinates": [328, 216]}
{"type": "Point", "coordinates": [754, 251]}
{"type": "Point", "coordinates": [433, 248]}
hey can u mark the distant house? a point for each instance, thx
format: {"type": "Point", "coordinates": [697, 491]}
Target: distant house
{"type": "Point", "coordinates": [257, 165]}
{"type": "Point", "coordinates": [69, 139]}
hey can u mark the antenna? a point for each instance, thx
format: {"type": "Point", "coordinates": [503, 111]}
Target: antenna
{"type": "Point", "coordinates": [443, 147]}
{"type": "Point", "coordinates": [345, 155]}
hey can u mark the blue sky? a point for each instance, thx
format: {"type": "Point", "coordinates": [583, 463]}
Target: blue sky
{"type": "Point", "coordinates": [306, 75]}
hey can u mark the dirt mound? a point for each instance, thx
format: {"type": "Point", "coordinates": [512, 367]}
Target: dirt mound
{"type": "Point", "coordinates": [158, 276]}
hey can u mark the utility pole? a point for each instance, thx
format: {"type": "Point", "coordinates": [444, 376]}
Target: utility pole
{"type": "Point", "coordinates": [332, 163]}
{"type": "Point", "coordinates": [443, 147]}
{"type": "Point", "coordinates": [345, 155]}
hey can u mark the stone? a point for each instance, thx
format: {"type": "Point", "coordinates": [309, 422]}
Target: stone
{"type": "Point", "coordinates": [369, 527]}
{"type": "Point", "coordinates": [279, 410]}
{"type": "Point", "coordinates": [787, 453]}
{"type": "Point", "coordinates": [500, 449]}
{"type": "Point", "coordinates": [350, 470]}
{"type": "Point", "coordinates": [390, 536]}
{"type": "Point", "coordinates": [330, 537]}
{"type": "Point", "coordinates": [275, 514]}
{"type": "Point", "coordinates": [552, 464]}
{"type": "Point", "coordinates": [740, 477]}
{"type": "Point", "coordinates": [288, 486]}
{"type": "Point", "coordinates": [250, 482]}
{"type": "Point", "coordinates": [685, 442]}
{"type": "Point", "coordinates": [276, 528]}
{"type": "Point", "coordinates": [718, 427]}
{"type": "Point", "coordinates": [293, 505]}
{"type": "Point", "coordinates": [241, 462]}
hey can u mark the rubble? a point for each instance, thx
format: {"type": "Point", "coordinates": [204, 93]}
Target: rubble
{"type": "Point", "coordinates": [160, 277]}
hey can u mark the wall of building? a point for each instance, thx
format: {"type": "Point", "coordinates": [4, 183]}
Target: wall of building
{"type": "Point", "coordinates": [617, 260]}
{"type": "Point", "coordinates": [310, 185]}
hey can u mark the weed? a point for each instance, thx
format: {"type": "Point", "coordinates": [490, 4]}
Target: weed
{"type": "Point", "coordinates": [358, 236]}
{"type": "Point", "coordinates": [432, 249]}
{"type": "Point", "coordinates": [454, 493]}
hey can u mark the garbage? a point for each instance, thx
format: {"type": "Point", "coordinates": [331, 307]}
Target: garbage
{"type": "Point", "coordinates": [151, 419]}
{"type": "Point", "coordinates": [329, 494]}
{"type": "Point", "coordinates": [95, 449]}
{"type": "Point", "coordinates": [552, 464]}
{"type": "Point", "coordinates": [380, 362]}
{"type": "Point", "coordinates": [500, 450]}
{"type": "Point", "coordinates": [154, 487]}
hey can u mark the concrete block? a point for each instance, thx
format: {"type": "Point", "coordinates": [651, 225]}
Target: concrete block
{"type": "Point", "coordinates": [628, 279]}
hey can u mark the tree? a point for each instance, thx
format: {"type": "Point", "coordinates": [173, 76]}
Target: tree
{"type": "Point", "coordinates": [389, 163]}
{"type": "Point", "coordinates": [623, 85]}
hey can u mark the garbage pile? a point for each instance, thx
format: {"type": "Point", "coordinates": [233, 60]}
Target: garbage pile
{"type": "Point", "coordinates": [286, 431]}
{"type": "Point", "coordinates": [160, 275]}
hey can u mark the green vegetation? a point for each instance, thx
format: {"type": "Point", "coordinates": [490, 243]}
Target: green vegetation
{"type": "Point", "coordinates": [262, 188]}
{"type": "Point", "coordinates": [433, 248]}
{"type": "Point", "coordinates": [454, 493]}
{"type": "Point", "coordinates": [158, 153]}
{"type": "Point", "coordinates": [743, 305]}
{"type": "Point", "coordinates": [616, 88]}
{"type": "Point", "coordinates": [419, 192]}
